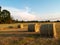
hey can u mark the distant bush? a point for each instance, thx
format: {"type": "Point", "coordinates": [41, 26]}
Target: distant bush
{"type": "Point", "coordinates": [10, 27]}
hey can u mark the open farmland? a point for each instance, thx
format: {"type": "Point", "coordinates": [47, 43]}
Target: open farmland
{"type": "Point", "coordinates": [14, 36]}
{"type": "Point", "coordinates": [31, 28]}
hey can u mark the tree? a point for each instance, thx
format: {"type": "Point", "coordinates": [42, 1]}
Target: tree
{"type": "Point", "coordinates": [0, 9]}
{"type": "Point", "coordinates": [0, 14]}
{"type": "Point", "coordinates": [5, 16]}
{"type": "Point", "coordinates": [58, 21]}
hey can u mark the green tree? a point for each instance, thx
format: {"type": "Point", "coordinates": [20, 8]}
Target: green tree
{"type": "Point", "coordinates": [0, 14]}
{"type": "Point", "coordinates": [5, 14]}
{"type": "Point", "coordinates": [0, 9]}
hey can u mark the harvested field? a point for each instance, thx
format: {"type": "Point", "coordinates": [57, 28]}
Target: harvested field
{"type": "Point", "coordinates": [28, 41]}
{"type": "Point", "coordinates": [17, 37]}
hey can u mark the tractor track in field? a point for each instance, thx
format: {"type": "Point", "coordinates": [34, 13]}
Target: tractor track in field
{"type": "Point", "coordinates": [17, 33]}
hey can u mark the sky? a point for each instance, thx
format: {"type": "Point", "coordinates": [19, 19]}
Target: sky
{"type": "Point", "coordinates": [32, 9]}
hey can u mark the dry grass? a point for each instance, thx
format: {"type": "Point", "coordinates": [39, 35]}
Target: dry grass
{"type": "Point", "coordinates": [28, 41]}
{"type": "Point", "coordinates": [58, 29]}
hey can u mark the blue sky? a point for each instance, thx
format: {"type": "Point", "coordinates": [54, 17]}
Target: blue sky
{"type": "Point", "coordinates": [39, 7]}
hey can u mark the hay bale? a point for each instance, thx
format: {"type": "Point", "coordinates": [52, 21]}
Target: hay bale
{"type": "Point", "coordinates": [31, 27]}
{"type": "Point", "coordinates": [46, 30]}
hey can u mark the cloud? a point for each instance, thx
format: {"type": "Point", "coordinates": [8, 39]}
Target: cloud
{"type": "Point", "coordinates": [23, 14]}
{"type": "Point", "coordinates": [27, 9]}
{"type": "Point", "coordinates": [51, 16]}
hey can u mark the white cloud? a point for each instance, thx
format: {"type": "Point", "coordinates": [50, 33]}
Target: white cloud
{"type": "Point", "coordinates": [51, 16]}
{"type": "Point", "coordinates": [27, 9]}
{"type": "Point", "coordinates": [23, 14]}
